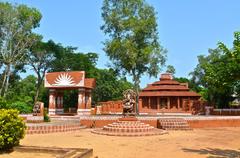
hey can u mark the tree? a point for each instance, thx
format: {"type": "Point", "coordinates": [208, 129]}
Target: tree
{"type": "Point", "coordinates": [219, 73]}
{"type": "Point", "coordinates": [171, 69]}
{"type": "Point", "coordinates": [232, 58]}
{"type": "Point", "coordinates": [133, 45]}
{"type": "Point", "coordinates": [16, 24]}
{"type": "Point", "coordinates": [23, 90]}
{"type": "Point", "coordinates": [210, 74]}
{"type": "Point", "coordinates": [109, 86]}
{"type": "Point", "coordinates": [40, 58]}
{"type": "Point", "coordinates": [193, 86]}
{"type": "Point", "coordinates": [67, 59]}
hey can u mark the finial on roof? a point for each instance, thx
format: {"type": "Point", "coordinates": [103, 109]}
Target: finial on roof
{"type": "Point", "coordinates": [166, 76]}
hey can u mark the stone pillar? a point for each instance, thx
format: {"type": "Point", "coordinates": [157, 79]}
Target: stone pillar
{"type": "Point", "coordinates": [158, 103]}
{"type": "Point", "coordinates": [149, 102]}
{"type": "Point", "coordinates": [168, 103]}
{"type": "Point", "coordinates": [52, 102]}
{"type": "Point", "coordinates": [88, 99]}
{"type": "Point", "coordinates": [62, 102]}
{"type": "Point", "coordinates": [189, 105]}
{"type": "Point", "coordinates": [140, 105]}
{"type": "Point", "coordinates": [59, 99]}
{"type": "Point", "coordinates": [178, 103]}
{"type": "Point", "coordinates": [82, 108]}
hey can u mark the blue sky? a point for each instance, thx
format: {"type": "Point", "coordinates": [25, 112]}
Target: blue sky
{"type": "Point", "coordinates": [186, 28]}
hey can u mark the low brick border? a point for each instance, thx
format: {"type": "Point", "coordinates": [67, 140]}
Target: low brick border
{"type": "Point", "coordinates": [60, 152]}
{"type": "Point", "coordinates": [44, 129]}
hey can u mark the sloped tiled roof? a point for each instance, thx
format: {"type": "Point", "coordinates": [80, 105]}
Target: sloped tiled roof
{"type": "Point", "coordinates": [167, 87]}
{"type": "Point", "coordinates": [169, 93]}
{"type": "Point", "coordinates": [90, 82]}
{"type": "Point", "coordinates": [166, 82]}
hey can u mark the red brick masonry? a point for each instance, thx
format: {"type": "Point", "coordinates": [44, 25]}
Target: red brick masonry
{"type": "Point", "coordinates": [128, 126]}
{"type": "Point", "coordinates": [193, 121]}
{"type": "Point", "coordinates": [51, 128]}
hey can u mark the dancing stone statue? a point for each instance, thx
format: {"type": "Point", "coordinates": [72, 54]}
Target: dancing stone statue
{"type": "Point", "coordinates": [129, 102]}
{"type": "Point", "coordinates": [38, 109]}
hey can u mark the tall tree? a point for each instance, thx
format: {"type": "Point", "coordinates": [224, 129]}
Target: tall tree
{"type": "Point", "coordinates": [16, 24]}
{"type": "Point", "coordinates": [40, 58]}
{"type": "Point", "coordinates": [133, 44]}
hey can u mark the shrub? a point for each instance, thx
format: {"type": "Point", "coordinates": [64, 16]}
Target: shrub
{"type": "Point", "coordinates": [46, 117]}
{"type": "Point", "coordinates": [3, 103]}
{"type": "Point", "coordinates": [22, 107]}
{"type": "Point", "coordinates": [12, 128]}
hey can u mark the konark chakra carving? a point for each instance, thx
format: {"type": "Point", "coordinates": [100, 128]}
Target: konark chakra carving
{"type": "Point", "coordinates": [64, 80]}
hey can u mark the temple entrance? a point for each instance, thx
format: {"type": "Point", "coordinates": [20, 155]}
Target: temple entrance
{"type": "Point", "coordinates": [70, 101]}
{"type": "Point", "coordinates": [153, 103]}
{"type": "Point", "coordinates": [163, 103]}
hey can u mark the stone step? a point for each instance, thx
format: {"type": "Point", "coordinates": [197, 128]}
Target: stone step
{"type": "Point", "coordinates": [173, 124]}
{"type": "Point", "coordinates": [129, 126]}
{"type": "Point", "coordinates": [131, 134]}
{"type": "Point", "coordinates": [127, 129]}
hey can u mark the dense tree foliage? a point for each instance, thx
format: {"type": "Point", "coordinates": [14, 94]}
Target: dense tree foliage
{"type": "Point", "coordinates": [218, 72]}
{"type": "Point", "coordinates": [109, 86]}
{"type": "Point", "coordinates": [133, 45]}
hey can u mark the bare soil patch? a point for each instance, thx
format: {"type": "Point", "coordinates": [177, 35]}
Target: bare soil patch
{"type": "Point", "coordinates": [199, 143]}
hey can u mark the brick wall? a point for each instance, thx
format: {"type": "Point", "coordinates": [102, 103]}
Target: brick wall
{"type": "Point", "coordinates": [193, 122]}
{"type": "Point", "coordinates": [226, 112]}
{"type": "Point", "coordinates": [214, 123]}
{"type": "Point", "coordinates": [111, 107]}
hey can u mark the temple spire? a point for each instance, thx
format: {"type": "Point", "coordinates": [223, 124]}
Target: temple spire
{"type": "Point", "coordinates": [166, 76]}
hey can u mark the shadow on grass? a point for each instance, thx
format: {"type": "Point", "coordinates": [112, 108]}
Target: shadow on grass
{"type": "Point", "coordinates": [215, 152]}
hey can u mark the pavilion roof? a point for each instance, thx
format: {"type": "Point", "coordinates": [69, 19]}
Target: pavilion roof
{"type": "Point", "coordinates": [169, 93]}
{"type": "Point", "coordinates": [166, 82]}
{"type": "Point", "coordinates": [90, 82]}
{"type": "Point", "coordinates": [68, 80]}
{"type": "Point", "coordinates": [167, 86]}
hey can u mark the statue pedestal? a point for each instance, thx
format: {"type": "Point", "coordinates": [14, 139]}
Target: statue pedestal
{"type": "Point", "coordinates": [128, 126]}
{"type": "Point", "coordinates": [128, 118]}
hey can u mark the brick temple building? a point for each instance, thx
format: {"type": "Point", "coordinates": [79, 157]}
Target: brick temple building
{"type": "Point", "coordinates": [58, 82]}
{"type": "Point", "coordinates": [161, 97]}
{"type": "Point", "coordinates": [166, 95]}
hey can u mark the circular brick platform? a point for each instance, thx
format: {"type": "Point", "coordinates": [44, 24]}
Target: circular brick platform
{"type": "Point", "coordinates": [128, 127]}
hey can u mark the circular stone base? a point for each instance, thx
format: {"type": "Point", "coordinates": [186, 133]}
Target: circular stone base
{"type": "Point", "coordinates": [128, 126]}
{"type": "Point", "coordinates": [129, 134]}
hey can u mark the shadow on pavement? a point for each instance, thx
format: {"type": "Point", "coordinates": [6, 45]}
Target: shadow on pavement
{"type": "Point", "coordinates": [215, 152]}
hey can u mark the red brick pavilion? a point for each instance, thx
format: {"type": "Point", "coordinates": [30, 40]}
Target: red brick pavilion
{"type": "Point", "coordinates": [58, 82]}
{"type": "Point", "coordinates": [166, 95]}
